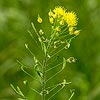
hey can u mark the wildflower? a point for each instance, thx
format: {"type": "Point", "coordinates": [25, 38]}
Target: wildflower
{"type": "Point", "coordinates": [50, 13]}
{"type": "Point", "coordinates": [54, 15]}
{"type": "Point", "coordinates": [71, 18]}
{"type": "Point", "coordinates": [59, 11]}
{"type": "Point", "coordinates": [57, 29]}
{"type": "Point", "coordinates": [71, 30]}
{"type": "Point", "coordinates": [39, 19]}
{"type": "Point", "coordinates": [51, 20]}
{"type": "Point", "coordinates": [77, 32]}
{"type": "Point", "coordinates": [64, 18]}
{"type": "Point", "coordinates": [62, 22]}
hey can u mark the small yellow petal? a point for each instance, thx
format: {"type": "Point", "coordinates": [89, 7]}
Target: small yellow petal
{"type": "Point", "coordinates": [62, 22]}
{"type": "Point", "coordinates": [54, 15]}
{"type": "Point", "coordinates": [39, 19]}
{"type": "Point", "coordinates": [57, 29]}
{"type": "Point", "coordinates": [71, 30]}
{"type": "Point", "coordinates": [50, 13]}
{"type": "Point", "coordinates": [77, 32]}
{"type": "Point", "coordinates": [51, 20]}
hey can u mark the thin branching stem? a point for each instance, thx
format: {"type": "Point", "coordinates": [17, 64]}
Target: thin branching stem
{"type": "Point", "coordinates": [53, 67]}
{"type": "Point", "coordinates": [35, 90]}
{"type": "Point", "coordinates": [53, 76]}
{"type": "Point", "coordinates": [35, 30]}
{"type": "Point", "coordinates": [55, 93]}
{"type": "Point", "coordinates": [33, 37]}
{"type": "Point", "coordinates": [71, 96]}
{"type": "Point", "coordinates": [54, 88]}
{"type": "Point", "coordinates": [33, 54]}
{"type": "Point", "coordinates": [52, 62]}
{"type": "Point", "coordinates": [44, 80]}
{"type": "Point", "coordinates": [57, 52]}
{"type": "Point", "coordinates": [22, 65]}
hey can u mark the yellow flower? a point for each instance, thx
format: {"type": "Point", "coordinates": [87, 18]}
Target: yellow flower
{"type": "Point", "coordinates": [57, 29]}
{"type": "Point", "coordinates": [71, 19]}
{"type": "Point", "coordinates": [63, 17]}
{"type": "Point", "coordinates": [39, 19]}
{"type": "Point", "coordinates": [59, 11]}
{"type": "Point", "coordinates": [54, 15]}
{"type": "Point", "coordinates": [71, 30]}
{"type": "Point", "coordinates": [77, 32]}
{"type": "Point", "coordinates": [62, 22]}
{"type": "Point", "coordinates": [51, 20]}
{"type": "Point", "coordinates": [50, 13]}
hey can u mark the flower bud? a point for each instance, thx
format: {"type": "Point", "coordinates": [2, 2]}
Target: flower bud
{"type": "Point", "coordinates": [57, 29]}
{"type": "Point", "coordinates": [50, 13]}
{"type": "Point", "coordinates": [77, 32]}
{"type": "Point", "coordinates": [71, 30]}
{"type": "Point", "coordinates": [62, 22]}
{"type": "Point", "coordinates": [39, 19]}
{"type": "Point", "coordinates": [51, 20]}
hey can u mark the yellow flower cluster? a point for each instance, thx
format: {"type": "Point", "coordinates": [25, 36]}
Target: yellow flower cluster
{"type": "Point", "coordinates": [68, 17]}
{"type": "Point", "coordinates": [64, 17]}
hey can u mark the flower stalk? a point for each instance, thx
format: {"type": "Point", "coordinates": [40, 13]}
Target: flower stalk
{"type": "Point", "coordinates": [63, 30]}
{"type": "Point", "coordinates": [44, 80]}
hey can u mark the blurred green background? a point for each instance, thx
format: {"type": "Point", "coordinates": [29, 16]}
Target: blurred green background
{"type": "Point", "coordinates": [15, 19]}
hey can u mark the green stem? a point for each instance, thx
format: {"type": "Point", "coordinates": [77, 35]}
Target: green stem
{"type": "Point", "coordinates": [55, 93]}
{"type": "Point", "coordinates": [44, 91]}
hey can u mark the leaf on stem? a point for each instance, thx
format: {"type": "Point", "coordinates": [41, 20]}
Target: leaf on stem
{"type": "Point", "coordinates": [18, 91]}
{"type": "Point", "coordinates": [44, 47]}
{"type": "Point", "coordinates": [72, 94]}
{"type": "Point", "coordinates": [64, 63]}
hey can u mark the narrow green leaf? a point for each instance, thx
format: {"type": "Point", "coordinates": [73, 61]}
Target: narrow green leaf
{"type": "Point", "coordinates": [35, 90]}
{"type": "Point", "coordinates": [22, 99]}
{"type": "Point", "coordinates": [26, 45]}
{"type": "Point", "coordinates": [35, 29]}
{"type": "Point", "coordinates": [55, 93]}
{"type": "Point", "coordinates": [13, 88]}
{"type": "Point", "coordinates": [44, 48]}
{"type": "Point", "coordinates": [64, 63]}
{"type": "Point", "coordinates": [20, 92]}
{"type": "Point", "coordinates": [71, 95]}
